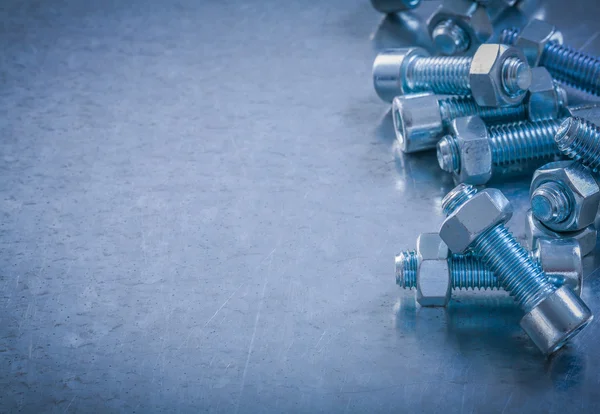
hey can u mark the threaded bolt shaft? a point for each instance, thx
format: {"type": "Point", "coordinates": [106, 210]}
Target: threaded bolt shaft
{"type": "Point", "coordinates": [449, 38]}
{"type": "Point", "coordinates": [566, 64]}
{"type": "Point", "coordinates": [500, 252]}
{"type": "Point", "coordinates": [550, 203]}
{"type": "Point", "coordinates": [442, 74]}
{"type": "Point", "coordinates": [579, 139]}
{"type": "Point", "coordinates": [461, 106]}
{"type": "Point", "coordinates": [510, 144]}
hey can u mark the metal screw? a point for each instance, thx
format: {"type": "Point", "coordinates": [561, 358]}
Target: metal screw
{"type": "Point", "coordinates": [508, 144]}
{"type": "Point", "coordinates": [553, 315]}
{"type": "Point", "coordinates": [568, 65]}
{"type": "Point", "coordinates": [579, 139]}
{"type": "Point", "coordinates": [550, 202]}
{"type": "Point", "coordinates": [459, 107]}
{"type": "Point", "coordinates": [449, 38]}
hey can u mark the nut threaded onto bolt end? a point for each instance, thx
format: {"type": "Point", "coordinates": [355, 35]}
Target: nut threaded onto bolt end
{"type": "Point", "coordinates": [516, 76]}
{"type": "Point", "coordinates": [407, 264]}
{"type": "Point", "coordinates": [580, 139]}
{"type": "Point", "coordinates": [550, 203]}
{"type": "Point", "coordinates": [449, 38]}
{"type": "Point", "coordinates": [448, 155]}
{"type": "Point", "coordinates": [509, 36]}
{"type": "Point", "coordinates": [457, 197]}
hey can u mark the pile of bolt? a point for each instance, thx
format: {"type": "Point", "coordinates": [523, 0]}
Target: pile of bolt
{"type": "Point", "coordinates": [490, 110]}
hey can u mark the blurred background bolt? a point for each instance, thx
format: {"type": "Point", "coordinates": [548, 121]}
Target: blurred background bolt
{"type": "Point", "coordinates": [579, 139]}
{"type": "Point", "coordinates": [394, 6]}
{"type": "Point", "coordinates": [473, 150]}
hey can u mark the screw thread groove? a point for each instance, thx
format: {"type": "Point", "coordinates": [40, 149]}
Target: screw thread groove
{"type": "Point", "coordinates": [509, 36]}
{"type": "Point", "coordinates": [450, 38]}
{"type": "Point", "coordinates": [407, 264]}
{"type": "Point", "coordinates": [522, 141]}
{"type": "Point", "coordinates": [443, 75]}
{"type": "Point", "coordinates": [459, 106]}
{"type": "Point", "coordinates": [573, 67]}
{"type": "Point", "coordinates": [455, 198]}
{"type": "Point", "coordinates": [468, 272]}
{"type": "Point", "coordinates": [448, 155]}
{"type": "Point", "coordinates": [580, 139]}
{"type": "Point", "coordinates": [550, 203]}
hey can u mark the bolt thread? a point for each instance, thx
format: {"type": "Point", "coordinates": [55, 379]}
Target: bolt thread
{"type": "Point", "coordinates": [500, 252]}
{"type": "Point", "coordinates": [448, 154]}
{"type": "Point", "coordinates": [516, 76]}
{"type": "Point", "coordinates": [509, 36]}
{"type": "Point", "coordinates": [468, 272]}
{"type": "Point", "coordinates": [443, 75]}
{"type": "Point", "coordinates": [407, 264]}
{"type": "Point", "coordinates": [580, 139]}
{"type": "Point", "coordinates": [450, 38]}
{"type": "Point", "coordinates": [459, 107]}
{"type": "Point", "coordinates": [522, 141]}
{"type": "Point", "coordinates": [572, 67]}
{"type": "Point", "coordinates": [550, 203]}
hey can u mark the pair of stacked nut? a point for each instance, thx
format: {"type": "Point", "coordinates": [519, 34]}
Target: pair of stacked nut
{"type": "Point", "coordinates": [501, 110]}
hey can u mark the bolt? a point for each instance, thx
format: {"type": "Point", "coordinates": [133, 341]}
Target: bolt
{"type": "Point", "coordinates": [474, 150]}
{"type": "Point", "coordinates": [568, 65]}
{"type": "Point", "coordinates": [550, 203]}
{"type": "Point", "coordinates": [496, 75]}
{"type": "Point", "coordinates": [559, 258]}
{"type": "Point", "coordinates": [579, 139]}
{"type": "Point", "coordinates": [449, 38]}
{"type": "Point", "coordinates": [475, 222]}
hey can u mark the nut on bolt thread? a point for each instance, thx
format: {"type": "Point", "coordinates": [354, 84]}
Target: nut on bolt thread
{"type": "Point", "coordinates": [550, 202]}
{"type": "Point", "coordinates": [579, 139]}
{"type": "Point", "coordinates": [570, 66]}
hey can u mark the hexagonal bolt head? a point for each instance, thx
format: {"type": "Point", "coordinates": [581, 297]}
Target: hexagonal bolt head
{"type": "Point", "coordinates": [561, 261]}
{"type": "Point", "coordinates": [394, 6]}
{"type": "Point", "coordinates": [535, 230]}
{"type": "Point", "coordinates": [473, 150]}
{"type": "Point", "coordinates": [433, 281]}
{"type": "Point", "coordinates": [389, 71]}
{"type": "Point", "coordinates": [499, 76]}
{"type": "Point", "coordinates": [534, 37]}
{"type": "Point", "coordinates": [417, 122]}
{"type": "Point", "coordinates": [467, 15]}
{"type": "Point", "coordinates": [576, 184]}
{"type": "Point", "coordinates": [545, 99]}
{"type": "Point", "coordinates": [484, 210]}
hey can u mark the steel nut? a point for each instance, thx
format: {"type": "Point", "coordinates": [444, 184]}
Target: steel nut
{"type": "Point", "coordinates": [534, 37]}
{"type": "Point", "coordinates": [475, 152]}
{"type": "Point", "coordinates": [545, 99]}
{"type": "Point", "coordinates": [433, 280]}
{"type": "Point", "coordinates": [582, 190]}
{"type": "Point", "coordinates": [483, 211]}
{"type": "Point", "coordinates": [561, 261]}
{"type": "Point", "coordinates": [417, 122]}
{"type": "Point", "coordinates": [535, 230]}
{"type": "Point", "coordinates": [467, 15]}
{"type": "Point", "coordinates": [487, 76]}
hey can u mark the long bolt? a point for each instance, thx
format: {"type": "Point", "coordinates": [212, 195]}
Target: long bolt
{"type": "Point", "coordinates": [579, 139]}
{"type": "Point", "coordinates": [510, 143]}
{"type": "Point", "coordinates": [459, 107]}
{"type": "Point", "coordinates": [500, 252]}
{"type": "Point", "coordinates": [467, 271]}
{"type": "Point", "coordinates": [568, 65]}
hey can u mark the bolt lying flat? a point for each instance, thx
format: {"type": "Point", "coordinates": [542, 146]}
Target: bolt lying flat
{"type": "Point", "coordinates": [475, 222]}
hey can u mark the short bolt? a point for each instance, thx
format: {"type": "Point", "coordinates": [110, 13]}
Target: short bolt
{"type": "Point", "coordinates": [553, 315]}
{"type": "Point", "coordinates": [550, 202]}
{"type": "Point", "coordinates": [498, 146]}
{"type": "Point", "coordinates": [449, 38]}
{"type": "Point", "coordinates": [579, 139]}
{"type": "Point", "coordinates": [568, 65]}
{"type": "Point", "coordinates": [496, 75]}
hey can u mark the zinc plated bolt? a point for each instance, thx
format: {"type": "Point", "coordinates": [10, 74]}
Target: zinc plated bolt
{"type": "Point", "coordinates": [579, 139]}
{"type": "Point", "coordinates": [568, 65]}
{"type": "Point", "coordinates": [497, 75]}
{"type": "Point", "coordinates": [473, 150]}
{"type": "Point", "coordinates": [560, 259]}
{"type": "Point", "coordinates": [475, 222]}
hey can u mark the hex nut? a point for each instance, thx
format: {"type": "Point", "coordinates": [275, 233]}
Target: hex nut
{"type": "Point", "coordinates": [545, 98]}
{"type": "Point", "coordinates": [534, 37]}
{"type": "Point", "coordinates": [475, 152]}
{"type": "Point", "coordinates": [535, 230]}
{"type": "Point", "coordinates": [467, 15]}
{"type": "Point", "coordinates": [582, 188]}
{"type": "Point", "coordinates": [480, 213]}
{"type": "Point", "coordinates": [417, 122]}
{"type": "Point", "coordinates": [433, 276]}
{"type": "Point", "coordinates": [487, 79]}
{"type": "Point", "coordinates": [389, 71]}
{"type": "Point", "coordinates": [561, 261]}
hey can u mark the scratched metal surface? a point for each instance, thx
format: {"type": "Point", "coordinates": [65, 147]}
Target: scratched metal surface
{"type": "Point", "coordinates": [201, 202]}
